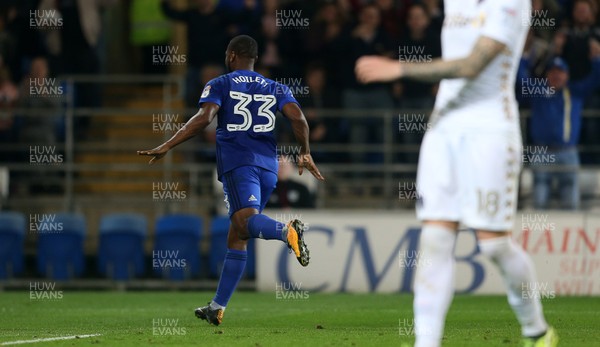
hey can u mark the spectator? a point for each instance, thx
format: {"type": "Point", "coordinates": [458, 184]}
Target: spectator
{"type": "Point", "coordinates": [555, 126]}
{"type": "Point", "coordinates": [45, 125]}
{"type": "Point", "coordinates": [18, 42]}
{"type": "Point", "coordinates": [537, 53]}
{"type": "Point", "coordinates": [321, 97]}
{"type": "Point", "coordinates": [574, 43]}
{"type": "Point", "coordinates": [436, 14]}
{"type": "Point", "coordinates": [9, 94]}
{"type": "Point", "coordinates": [207, 31]}
{"type": "Point", "coordinates": [289, 193]}
{"type": "Point", "coordinates": [544, 18]}
{"type": "Point", "coordinates": [365, 38]}
{"type": "Point", "coordinates": [325, 27]}
{"type": "Point", "coordinates": [421, 43]}
{"type": "Point", "coordinates": [390, 15]}
{"type": "Point", "coordinates": [41, 127]}
{"type": "Point", "coordinates": [149, 28]}
{"type": "Point", "coordinates": [293, 37]}
{"type": "Point", "coordinates": [268, 39]}
{"type": "Point", "coordinates": [75, 48]}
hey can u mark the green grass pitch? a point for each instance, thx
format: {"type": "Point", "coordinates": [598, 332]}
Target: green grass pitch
{"type": "Point", "coordinates": [259, 319]}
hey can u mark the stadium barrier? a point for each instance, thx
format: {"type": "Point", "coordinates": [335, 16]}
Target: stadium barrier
{"type": "Point", "coordinates": [367, 251]}
{"type": "Point", "coordinates": [138, 112]}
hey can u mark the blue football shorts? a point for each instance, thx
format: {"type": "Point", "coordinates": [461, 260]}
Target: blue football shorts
{"type": "Point", "coordinates": [247, 186]}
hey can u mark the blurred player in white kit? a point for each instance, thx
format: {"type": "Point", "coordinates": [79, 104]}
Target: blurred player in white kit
{"type": "Point", "coordinates": [470, 160]}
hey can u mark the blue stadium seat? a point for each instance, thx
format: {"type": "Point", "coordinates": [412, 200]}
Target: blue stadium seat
{"type": "Point", "coordinates": [121, 250]}
{"type": "Point", "coordinates": [12, 236]}
{"type": "Point", "coordinates": [60, 247]}
{"type": "Point", "coordinates": [218, 247]}
{"type": "Point", "coordinates": [176, 254]}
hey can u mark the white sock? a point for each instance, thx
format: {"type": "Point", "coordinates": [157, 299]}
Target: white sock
{"type": "Point", "coordinates": [519, 275]}
{"type": "Point", "coordinates": [215, 306]}
{"type": "Point", "coordinates": [434, 284]}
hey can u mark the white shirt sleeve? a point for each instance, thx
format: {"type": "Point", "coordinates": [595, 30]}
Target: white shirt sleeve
{"type": "Point", "coordinates": [506, 19]}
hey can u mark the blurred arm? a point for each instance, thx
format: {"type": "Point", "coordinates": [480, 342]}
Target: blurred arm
{"type": "Point", "coordinates": [485, 50]}
{"type": "Point", "coordinates": [378, 69]}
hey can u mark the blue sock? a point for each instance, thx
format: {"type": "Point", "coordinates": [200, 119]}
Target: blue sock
{"type": "Point", "coordinates": [233, 268]}
{"type": "Point", "coordinates": [263, 227]}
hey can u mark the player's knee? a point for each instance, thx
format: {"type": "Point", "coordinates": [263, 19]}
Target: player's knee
{"type": "Point", "coordinates": [493, 248]}
{"type": "Point", "coordinates": [240, 228]}
{"type": "Point", "coordinates": [437, 240]}
{"type": "Point", "coordinates": [243, 235]}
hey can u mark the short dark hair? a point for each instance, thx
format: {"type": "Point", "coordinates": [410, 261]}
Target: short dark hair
{"type": "Point", "coordinates": [243, 46]}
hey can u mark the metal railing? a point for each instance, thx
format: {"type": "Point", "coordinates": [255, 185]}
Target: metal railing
{"type": "Point", "coordinates": [374, 183]}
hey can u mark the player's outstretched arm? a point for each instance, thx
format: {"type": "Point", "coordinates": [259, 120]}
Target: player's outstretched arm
{"type": "Point", "coordinates": [193, 127]}
{"type": "Point", "coordinates": [379, 69]}
{"type": "Point", "coordinates": [301, 132]}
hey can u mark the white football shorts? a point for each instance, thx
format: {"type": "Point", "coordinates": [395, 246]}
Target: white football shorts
{"type": "Point", "coordinates": [469, 176]}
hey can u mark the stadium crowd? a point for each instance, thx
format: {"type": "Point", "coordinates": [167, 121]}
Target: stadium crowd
{"type": "Point", "coordinates": [309, 45]}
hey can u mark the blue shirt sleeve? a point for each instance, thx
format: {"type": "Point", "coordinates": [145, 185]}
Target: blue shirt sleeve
{"type": "Point", "coordinates": [284, 96]}
{"type": "Point", "coordinates": [213, 92]}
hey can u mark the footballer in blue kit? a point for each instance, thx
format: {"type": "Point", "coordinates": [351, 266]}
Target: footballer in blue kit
{"type": "Point", "coordinates": [245, 104]}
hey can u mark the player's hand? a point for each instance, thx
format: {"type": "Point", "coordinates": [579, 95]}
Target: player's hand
{"type": "Point", "coordinates": [373, 68]}
{"type": "Point", "coordinates": [306, 161]}
{"type": "Point", "coordinates": [155, 153]}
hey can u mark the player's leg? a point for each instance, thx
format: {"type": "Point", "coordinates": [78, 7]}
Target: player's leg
{"type": "Point", "coordinates": [438, 209]}
{"type": "Point", "coordinates": [238, 183]}
{"type": "Point", "coordinates": [492, 162]}
{"type": "Point", "coordinates": [434, 281]}
{"type": "Point", "coordinates": [231, 273]}
{"type": "Point", "coordinates": [253, 186]}
{"type": "Point", "coordinates": [243, 189]}
{"type": "Point", "coordinates": [291, 233]}
{"type": "Point", "coordinates": [519, 276]}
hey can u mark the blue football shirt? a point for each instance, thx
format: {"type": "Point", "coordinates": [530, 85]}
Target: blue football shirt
{"type": "Point", "coordinates": [246, 118]}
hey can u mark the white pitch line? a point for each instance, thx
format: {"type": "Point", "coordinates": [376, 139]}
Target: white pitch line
{"type": "Point", "coordinates": [20, 342]}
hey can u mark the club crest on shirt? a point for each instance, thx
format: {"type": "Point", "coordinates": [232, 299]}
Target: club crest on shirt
{"type": "Point", "coordinates": [205, 92]}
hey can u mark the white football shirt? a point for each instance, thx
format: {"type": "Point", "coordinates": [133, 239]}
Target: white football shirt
{"type": "Point", "coordinates": [487, 100]}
